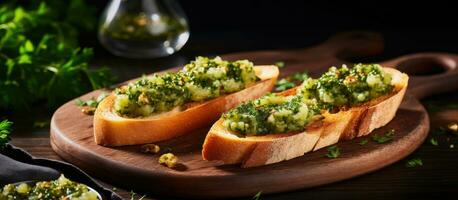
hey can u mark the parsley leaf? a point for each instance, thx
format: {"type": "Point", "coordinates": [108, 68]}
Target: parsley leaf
{"type": "Point", "coordinates": [257, 196]}
{"type": "Point", "coordinates": [291, 81]}
{"type": "Point", "coordinates": [300, 76]}
{"type": "Point", "coordinates": [92, 102]}
{"type": "Point", "coordinates": [414, 163]}
{"type": "Point", "coordinates": [5, 130]}
{"type": "Point", "coordinates": [40, 60]}
{"type": "Point", "coordinates": [433, 141]}
{"type": "Point", "coordinates": [280, 64]}
{"type": "Point", "coordinates": [283, 84]}
{"type": "Point", "coordinates": [363, 142]}
{"type": "Point", "coordinates": [383, 138]}
{"type": "Point", "coordinates": [333, 152]}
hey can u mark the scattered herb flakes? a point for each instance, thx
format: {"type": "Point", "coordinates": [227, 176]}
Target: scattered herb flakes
{"type": "Point", "coordinates": [257, 196]}
{"type": "Point", "coordinates": [387, 137]}
{"type": "Point", "coordinates": [5, 131]}
{"type": "Point", "coordinates": [89, 106]}
{"type": "Point", "coordinates": [291, 81]}
{"type": "Point", "coordinates": [283, 84]}
{"type": "Point", "coordinates": [280, 64]}
{"type": "Point", "coordinates": [433, 141]}
{"type": "Point", "coordinates": [414, 163]}
{"type": "Point", "coordinates": [41, 124]}
{"type": "Point", "coordinates": [333, 152]}
{"type": "Point", "coordinates": [92, 102]}
{"type": "Point", "coordinates": [363, 142]}
{"type": "Point", "coordinates": [300, 76]}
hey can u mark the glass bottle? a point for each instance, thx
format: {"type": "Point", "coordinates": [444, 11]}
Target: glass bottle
{"type": "Point", "coordinates": [143, 28]}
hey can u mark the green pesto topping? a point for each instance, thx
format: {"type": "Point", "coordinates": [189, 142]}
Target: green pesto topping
{"type": "Point", "coordinates": [271, 114]}
{"type": "Point", "coordinates": [334, 89]}
{"type": "Point", "coordinates": [61, 188]}
{"type": "Point", "coordinates": [347, 87]}
{"type": "Point", "coordinates": [200, 80]}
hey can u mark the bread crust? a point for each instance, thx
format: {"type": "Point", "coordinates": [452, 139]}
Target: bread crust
{"type": "Point", "coordinates": [111, 129]}
{"type": "Point", "coordinates": [223, 145]}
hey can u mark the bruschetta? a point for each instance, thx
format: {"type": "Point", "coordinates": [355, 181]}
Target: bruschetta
{"type": "Point", "coordinates": [229, 141]}
{"type": "Point", "coordinates": [161, 107]}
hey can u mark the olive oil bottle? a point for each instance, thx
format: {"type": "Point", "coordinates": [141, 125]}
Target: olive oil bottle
{"type": "Point", "coordinates": [143, 28]}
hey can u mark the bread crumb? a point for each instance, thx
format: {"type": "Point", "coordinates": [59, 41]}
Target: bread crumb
{"type": "Point", "coordinates": [168, 159]}
{"type": "Point", "coordinates": [150, 148]}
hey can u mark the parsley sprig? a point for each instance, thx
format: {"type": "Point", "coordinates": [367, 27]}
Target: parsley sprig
{"type": "Point", "coordinates": [40, 60]}
{"type": "Point", "coordinates": [5, 130]}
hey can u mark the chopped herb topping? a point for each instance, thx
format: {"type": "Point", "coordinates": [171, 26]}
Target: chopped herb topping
{"type": "Point", "coordinates": [414, 163]}
{"type": "Point", "coordinates": [200, 80]}
{"type": "Point", "coordinates": [347, 87]}
{"type": "Point", "coordinates": [272, 113]}
{"type": "Point", "coordinates": [275, 113]}
{"type": "Point", "coordinates": [61, 188]}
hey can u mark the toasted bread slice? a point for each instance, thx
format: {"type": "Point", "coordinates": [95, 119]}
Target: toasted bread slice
{"type": "Point", "coordinates": [224, 145]}
{"type": "Point", "coordinates": [110, 129]}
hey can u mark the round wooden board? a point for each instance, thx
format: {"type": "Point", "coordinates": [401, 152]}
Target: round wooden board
{"type": "Point", "coordinates": [72, 139]}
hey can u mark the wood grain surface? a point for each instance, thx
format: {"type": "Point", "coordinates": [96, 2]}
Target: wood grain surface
{"type": "Point", "coordinates": [71, 138]}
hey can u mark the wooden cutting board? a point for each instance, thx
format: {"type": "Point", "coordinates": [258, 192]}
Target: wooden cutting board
{"type": "Point", "coordinates": [71, 133]}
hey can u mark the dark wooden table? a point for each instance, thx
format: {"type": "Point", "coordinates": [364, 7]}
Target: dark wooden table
{"type": "Point", "coordinates": [438, 177]}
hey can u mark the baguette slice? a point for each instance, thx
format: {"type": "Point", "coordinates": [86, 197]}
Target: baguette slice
{"type": "Point", "coordinates": [223, 145]}
{"type": "Point", "coordinates": [111, 129]}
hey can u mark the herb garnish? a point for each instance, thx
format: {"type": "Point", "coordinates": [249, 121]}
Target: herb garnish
{"type": "Point", "coordinates": [433, 141]}
{"type": "Point", "coordinates": [414, 163]}
{"type": "Point", "coordinates": [333, 152]}
{"type": "Point", "coordinates": [363, 142]}
{"type": "Point", "coordinates": [290, 81]}
{"type": "Point", "coordinates": [40, 60]}
{"type": "Point", "coordinates": [5, 130]}
{"type": "Point", "coordinates": [283, 84]}
{"type": "Point", "coordinates": [280, 64]}
{"type": "Point", "coordinates": [91, 104]}
{"type": "Point", "coordinates": [383, 138]}
{"type": "Point", "coordinates": [133, 194]}
{"type": "Point", "coordinates": [257, 196]}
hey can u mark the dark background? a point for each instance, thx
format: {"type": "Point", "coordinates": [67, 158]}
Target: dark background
{"type": "Point", "coordinates": [273, 24]}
